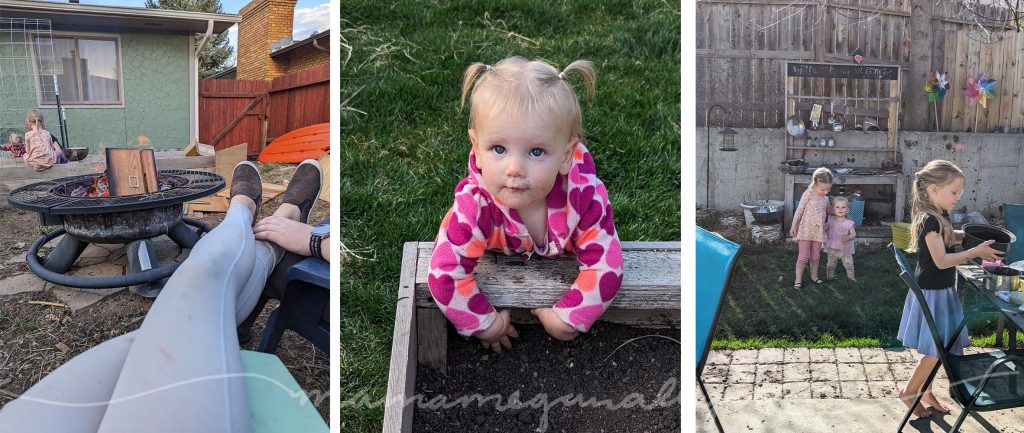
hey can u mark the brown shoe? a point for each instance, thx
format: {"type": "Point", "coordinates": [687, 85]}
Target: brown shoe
{"type": "Point", "coordinates": [304, 189]}
{"type": "Point", "coordinates": [246, 180]}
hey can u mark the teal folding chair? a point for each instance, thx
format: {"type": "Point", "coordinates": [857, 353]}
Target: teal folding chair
{"type": "Point", "coordinates": [716, 258]}
{"type": "Point", "coordinates": [1013, 217]}
{"type": "Point", "coordinates": [980, 382]}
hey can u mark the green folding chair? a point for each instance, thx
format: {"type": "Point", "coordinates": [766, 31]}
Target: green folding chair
{"type": "Point", "coordinates": [980, 382]}
{"type": "Point", "coordinates": [277, 403]}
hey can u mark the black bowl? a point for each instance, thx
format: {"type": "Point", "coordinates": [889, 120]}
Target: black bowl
{"type": "Point", "coordinates": [975, 234]}
{"type": "Point", "coordinates": [763, 216]}
{"type": "Point", "coordinates": [76, 153]}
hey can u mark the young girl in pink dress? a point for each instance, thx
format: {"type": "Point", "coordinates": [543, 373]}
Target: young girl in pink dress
{"type": "Point", "coordinates": [808, 227]}
{"type": "Point", "coordinates": [532, 188]}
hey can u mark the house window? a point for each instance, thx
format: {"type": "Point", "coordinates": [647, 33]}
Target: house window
{"type": "Point", "coordinates": [87, 69]}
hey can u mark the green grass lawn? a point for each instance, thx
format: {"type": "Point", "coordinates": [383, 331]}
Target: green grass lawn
{"type": "Point", "coordinates": [763, 309]}
{"type": "Point", "coordinates": [404, 143]}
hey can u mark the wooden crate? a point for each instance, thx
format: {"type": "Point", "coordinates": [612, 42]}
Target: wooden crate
{"type": "Point", "coordinates": [650, 295]}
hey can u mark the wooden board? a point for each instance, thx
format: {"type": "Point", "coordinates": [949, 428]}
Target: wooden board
{"type": "Point", "coordinates": [126, 172]}
{"type": "Point", "coordinates": [651, 279]}
{"type": "Point", "coordinates": [325, 166]}
{"type": "Point", "coordinates": [149, 170]}
{"type": "Point", "coordinates": [225, 161]}
{"type": "Point", "coordinates": [402, 369]}
{"type": "Point", "coordinates": [310, 142]}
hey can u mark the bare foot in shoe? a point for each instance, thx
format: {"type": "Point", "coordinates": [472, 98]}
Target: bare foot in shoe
{"type": "Point", "coordinates": [908, 399]}
{"type": "Point", "coordinates": [933, 403]}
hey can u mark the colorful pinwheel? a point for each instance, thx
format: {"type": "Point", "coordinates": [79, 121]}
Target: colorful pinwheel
{"type": "Point", "coordinates": [936, 86]}
{"type": "Point", "coordinates": [981, 89]}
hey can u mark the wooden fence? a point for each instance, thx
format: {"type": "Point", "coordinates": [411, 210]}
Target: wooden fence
{"type": "Point", "coordinates": [233, 112]}
{"type": "Point", "coordinates": [742, 47]}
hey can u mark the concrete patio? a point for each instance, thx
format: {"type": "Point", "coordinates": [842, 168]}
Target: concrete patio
{"type": "Point", "coordinates": [815, 390]}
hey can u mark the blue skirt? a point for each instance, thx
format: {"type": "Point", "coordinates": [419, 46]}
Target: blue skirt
{"type": "Point", "coordinates": [947, 312]}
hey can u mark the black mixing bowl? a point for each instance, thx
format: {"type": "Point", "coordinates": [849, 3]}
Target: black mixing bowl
{"type": "Point", "coordinates": [975, 234]}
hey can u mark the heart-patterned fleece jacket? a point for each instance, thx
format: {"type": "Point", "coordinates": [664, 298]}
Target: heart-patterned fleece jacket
{"type": "Point", "coordinates": [579, 222]}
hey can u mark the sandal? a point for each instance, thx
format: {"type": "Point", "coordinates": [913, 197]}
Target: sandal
{"type": "Point", "coordinates": [797, 285]}
{"type": "Point", "coordinates": [819, 281]}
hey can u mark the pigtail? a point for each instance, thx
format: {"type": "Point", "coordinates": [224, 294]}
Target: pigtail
{"type": "Point", "coordinates": [473, 73]}
{"type": "Point", "coordinates": [585, 69]}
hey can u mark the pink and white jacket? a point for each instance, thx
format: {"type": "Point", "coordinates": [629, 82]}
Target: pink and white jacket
{"type": "Point", "coordinates": [579, 222]}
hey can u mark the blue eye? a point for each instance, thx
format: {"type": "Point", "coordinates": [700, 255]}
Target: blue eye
{"type": "Point", "coordinates": [500, 150]}
{"type": "Point", "coordinates": [537, 152]}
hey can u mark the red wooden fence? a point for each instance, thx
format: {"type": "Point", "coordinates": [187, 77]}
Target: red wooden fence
{"type": "Point", "coordinates": [232, 112]}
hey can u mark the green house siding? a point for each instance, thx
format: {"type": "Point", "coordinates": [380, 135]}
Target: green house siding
{"type": "Point", "coordinates": [155, 80]}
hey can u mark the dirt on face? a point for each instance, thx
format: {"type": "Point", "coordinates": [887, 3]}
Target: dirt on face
{"type": "Point", "coordinates": [615, 378]}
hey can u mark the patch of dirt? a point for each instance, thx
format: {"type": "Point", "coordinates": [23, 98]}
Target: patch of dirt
{"type": "Point", "coordinates": [36, 339]}
{"type": "Point", "coordinates": [602, 366]}
{"type": "Point", "coordinates": [729, 224]}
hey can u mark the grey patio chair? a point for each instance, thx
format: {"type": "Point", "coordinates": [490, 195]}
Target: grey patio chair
{"type": "Point", "coordinates": [716, 258]}
{"type": "Point", "coordinates": [980, 382]}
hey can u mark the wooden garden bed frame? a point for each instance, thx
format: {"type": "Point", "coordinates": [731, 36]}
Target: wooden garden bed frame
{"type": "Point", "coordinates": [649, 297]}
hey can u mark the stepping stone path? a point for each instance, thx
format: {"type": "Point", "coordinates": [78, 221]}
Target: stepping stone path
{"type": "Point", "coordinates": [96, 260]}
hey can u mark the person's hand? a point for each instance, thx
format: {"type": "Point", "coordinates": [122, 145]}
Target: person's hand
{"type": "Point", "coordinates": [792, 231]}
{"type": "Point", "coordinates": [497, 335]}
{"type": "Point", "coordinates": [288, 234]}
{"type": "Point", "coordinates": [986, 252]}
{"type": "Point", "coordinates": [554, 326]}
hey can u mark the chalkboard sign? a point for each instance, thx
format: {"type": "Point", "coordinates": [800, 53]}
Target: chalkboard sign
{"type": "Point", "coordinates": [829, 70]}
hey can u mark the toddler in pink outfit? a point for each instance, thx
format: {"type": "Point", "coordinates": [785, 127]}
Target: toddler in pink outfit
{"type": "Point", "coordinates": [532, 188]}
{"type": "Point", "coordinates": [840, 235]}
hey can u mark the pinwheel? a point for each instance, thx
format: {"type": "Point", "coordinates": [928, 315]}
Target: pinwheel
{"type": "Point", "coordinates": [980, 90]}
{"type": "Point", "coordinates": [936, 88]}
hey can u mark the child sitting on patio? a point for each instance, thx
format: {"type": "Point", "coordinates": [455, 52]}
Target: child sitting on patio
{"type": "Point", "coordinates": [41, 150]}
{"type": "Point", "coordinates": [809, 224]}
{"type": "Point", "coordinates": [839, 239]}
{"type": "Point", "coordinates": [532, 189]}
{"type": "Point", "coordinates": [15, 145]}
{"type": "Point", "coordinates": [936, 190]}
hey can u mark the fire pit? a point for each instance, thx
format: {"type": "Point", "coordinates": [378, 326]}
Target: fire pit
{"type": "Point", "coordinates": [132, 220]}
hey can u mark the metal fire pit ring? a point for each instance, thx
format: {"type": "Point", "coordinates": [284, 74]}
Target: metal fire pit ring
{"type": "Point", "coordinates": [36, 265]}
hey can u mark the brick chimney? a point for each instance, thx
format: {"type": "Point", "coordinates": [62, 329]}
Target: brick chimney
{"type": "Point", "coordinates": [263, 22]}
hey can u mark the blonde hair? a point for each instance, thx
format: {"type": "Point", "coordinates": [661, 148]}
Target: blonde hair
{"type": "Point", "coordinates": [35, 117]}
{"type": "Point", "coordinates": [840, 199]}
{"type": "Point", "coordinates": [821, 175]}
{"type": "Point", "coordinates": [938, 172]}
{"type": "Point", "coordinates": [519, 86]}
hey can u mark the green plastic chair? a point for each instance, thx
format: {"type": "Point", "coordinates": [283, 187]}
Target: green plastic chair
{"type": "Point", "coordinates": [276, 401]}
{"type": "Point", "coordinates": [981, 382]}
{"type": "Point", "coordinates": [716, 258]}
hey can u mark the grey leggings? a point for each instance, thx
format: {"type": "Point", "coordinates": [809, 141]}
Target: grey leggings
{"type": "Point", "coordinates": [181, 370]}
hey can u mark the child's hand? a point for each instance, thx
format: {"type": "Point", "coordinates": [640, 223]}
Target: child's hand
{"type": "Point", "coordinates": [986, 252]}
{"type": "Point", "coordinates": [792, 231]}
{"type": "Point", "coordinates": [496, 335]}
{"type": "Point", "coordinates": [554, 326]}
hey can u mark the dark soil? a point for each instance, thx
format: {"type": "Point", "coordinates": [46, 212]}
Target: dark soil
{"type": "Point", "coordinates": [640, 380]}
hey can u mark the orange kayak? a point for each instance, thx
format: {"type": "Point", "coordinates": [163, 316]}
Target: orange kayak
{"type": "Point", "coordinates": [310, 142]}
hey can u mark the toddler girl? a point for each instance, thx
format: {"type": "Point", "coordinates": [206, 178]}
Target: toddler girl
{"type": "Point", "coordinates": [15, 145]}
{"type": "Point", "coordinates": [809, 224]}
{"type": "Point", "coordinates": [532, 189]}
{"type": "Point", "coordinates": [41, 150]}
{"type": "Point", "coordinates": [839, 234]}
{"type": "Point", "coordinates": [937, 188]}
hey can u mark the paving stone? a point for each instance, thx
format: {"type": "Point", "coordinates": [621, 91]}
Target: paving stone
{"type": "Point", "coordinates": [823, 355]}
{"type": "Point", "coordinates": [769, 373]}
{"type": "Point", "coordinates": [768, 391]}
{"type": "Point", "coordinates": [715, 373]}
{"type": "Point", "coordinates": [715, 391]}
{"type": "Point", "coordinates": [854, 389]}
{"type": "Point", "coordinates": [852, 371]}
{"type": "Point", "coordinates": [821, 390]}
{"type": "Point", "coordinates": [883, 389]}
{"type": "Point", "coordinates": [720, 357]}
{"type": "Point", "coordinates": [27, 282]}
{"type": "Point", "coordinates": [745, 356]}
{"type": "Point", "coordinates": [900, 355]}
{"type": "Point", "coordinates": [742, 373]}
{"type": "Point", "coordinates": [770, 356]}
{"type": "Point", "coordinates": [902, 371]}
{"type": "Point", "coordinates": [79, 300]}
{"type": "Point", "coordinates": [878, 372]}
{"type": "Point", "coordinates": [848, 354]}
{"type": "Point", "coordinates": [797, 372]}
{"type": "Point", "coordinates": [105, 269]}
{"type": "Point", "coordinates": [95, 251]}
{"type": "Point", "coordinates": [739, 391]}
{"type": "Point", "coordinates": [821, 372]}
{"type": "Point", "coordinates": [797, 354]}
{"type": "Point", "coordinates": [796, 390]}
{"type": "Point", "coordinates": [873, 355]}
